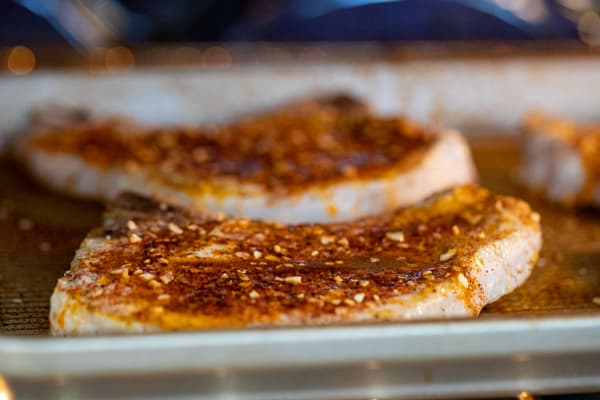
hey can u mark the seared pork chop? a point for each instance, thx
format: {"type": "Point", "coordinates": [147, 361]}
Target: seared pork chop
{"type": "Point", "coordinates": [561, 159]}
{"type": "Point", "coordinates": [318, 160]}
{"type": "Point", "coordinates": [156, 267]}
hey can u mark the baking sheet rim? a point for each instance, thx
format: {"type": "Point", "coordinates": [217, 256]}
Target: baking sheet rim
{"type": "Point", "coordinates": [34, 357]}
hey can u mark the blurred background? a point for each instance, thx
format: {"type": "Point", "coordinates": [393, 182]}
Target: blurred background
{"type": "Point", "coordinates": [82, 24]}
{"type": "Point", "coordinates": [101, 33]}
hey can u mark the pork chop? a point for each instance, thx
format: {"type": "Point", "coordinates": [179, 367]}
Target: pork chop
{"type": "Point", "coordinates": [156, 267]}
{"type": "Point", "coordinates": [561, 159]}
{"type": "Point", "coordinates": [319, 160]}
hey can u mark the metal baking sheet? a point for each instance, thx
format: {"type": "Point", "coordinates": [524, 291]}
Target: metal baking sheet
{"type": "Point", "coordinates": [541, 338]}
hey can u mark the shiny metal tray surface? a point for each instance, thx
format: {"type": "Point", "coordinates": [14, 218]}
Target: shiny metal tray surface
{"type": "Point", "coordinates": [544, 337]}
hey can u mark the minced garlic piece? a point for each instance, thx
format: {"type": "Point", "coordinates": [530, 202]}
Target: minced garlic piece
{"type": "Point", "coordinates": [175, 229]}
{"type": "Point", "coordinates": [293, 279]}
{"type": "Point", "coordinates": [395, 236]}
{"type": "Point", "coordinates": [448, 255]}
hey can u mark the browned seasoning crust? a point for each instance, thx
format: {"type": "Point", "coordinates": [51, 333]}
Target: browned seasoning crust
{"type": "Point", "coordinates": [318, 141]}
{"type": "Point", "coordinates": [174, 269]}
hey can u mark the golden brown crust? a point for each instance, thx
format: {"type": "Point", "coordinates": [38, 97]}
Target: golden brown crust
{"type": "Point", "coordinates": [169, 264]}
{"type": "Point", "coordinates": [312, 142]}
